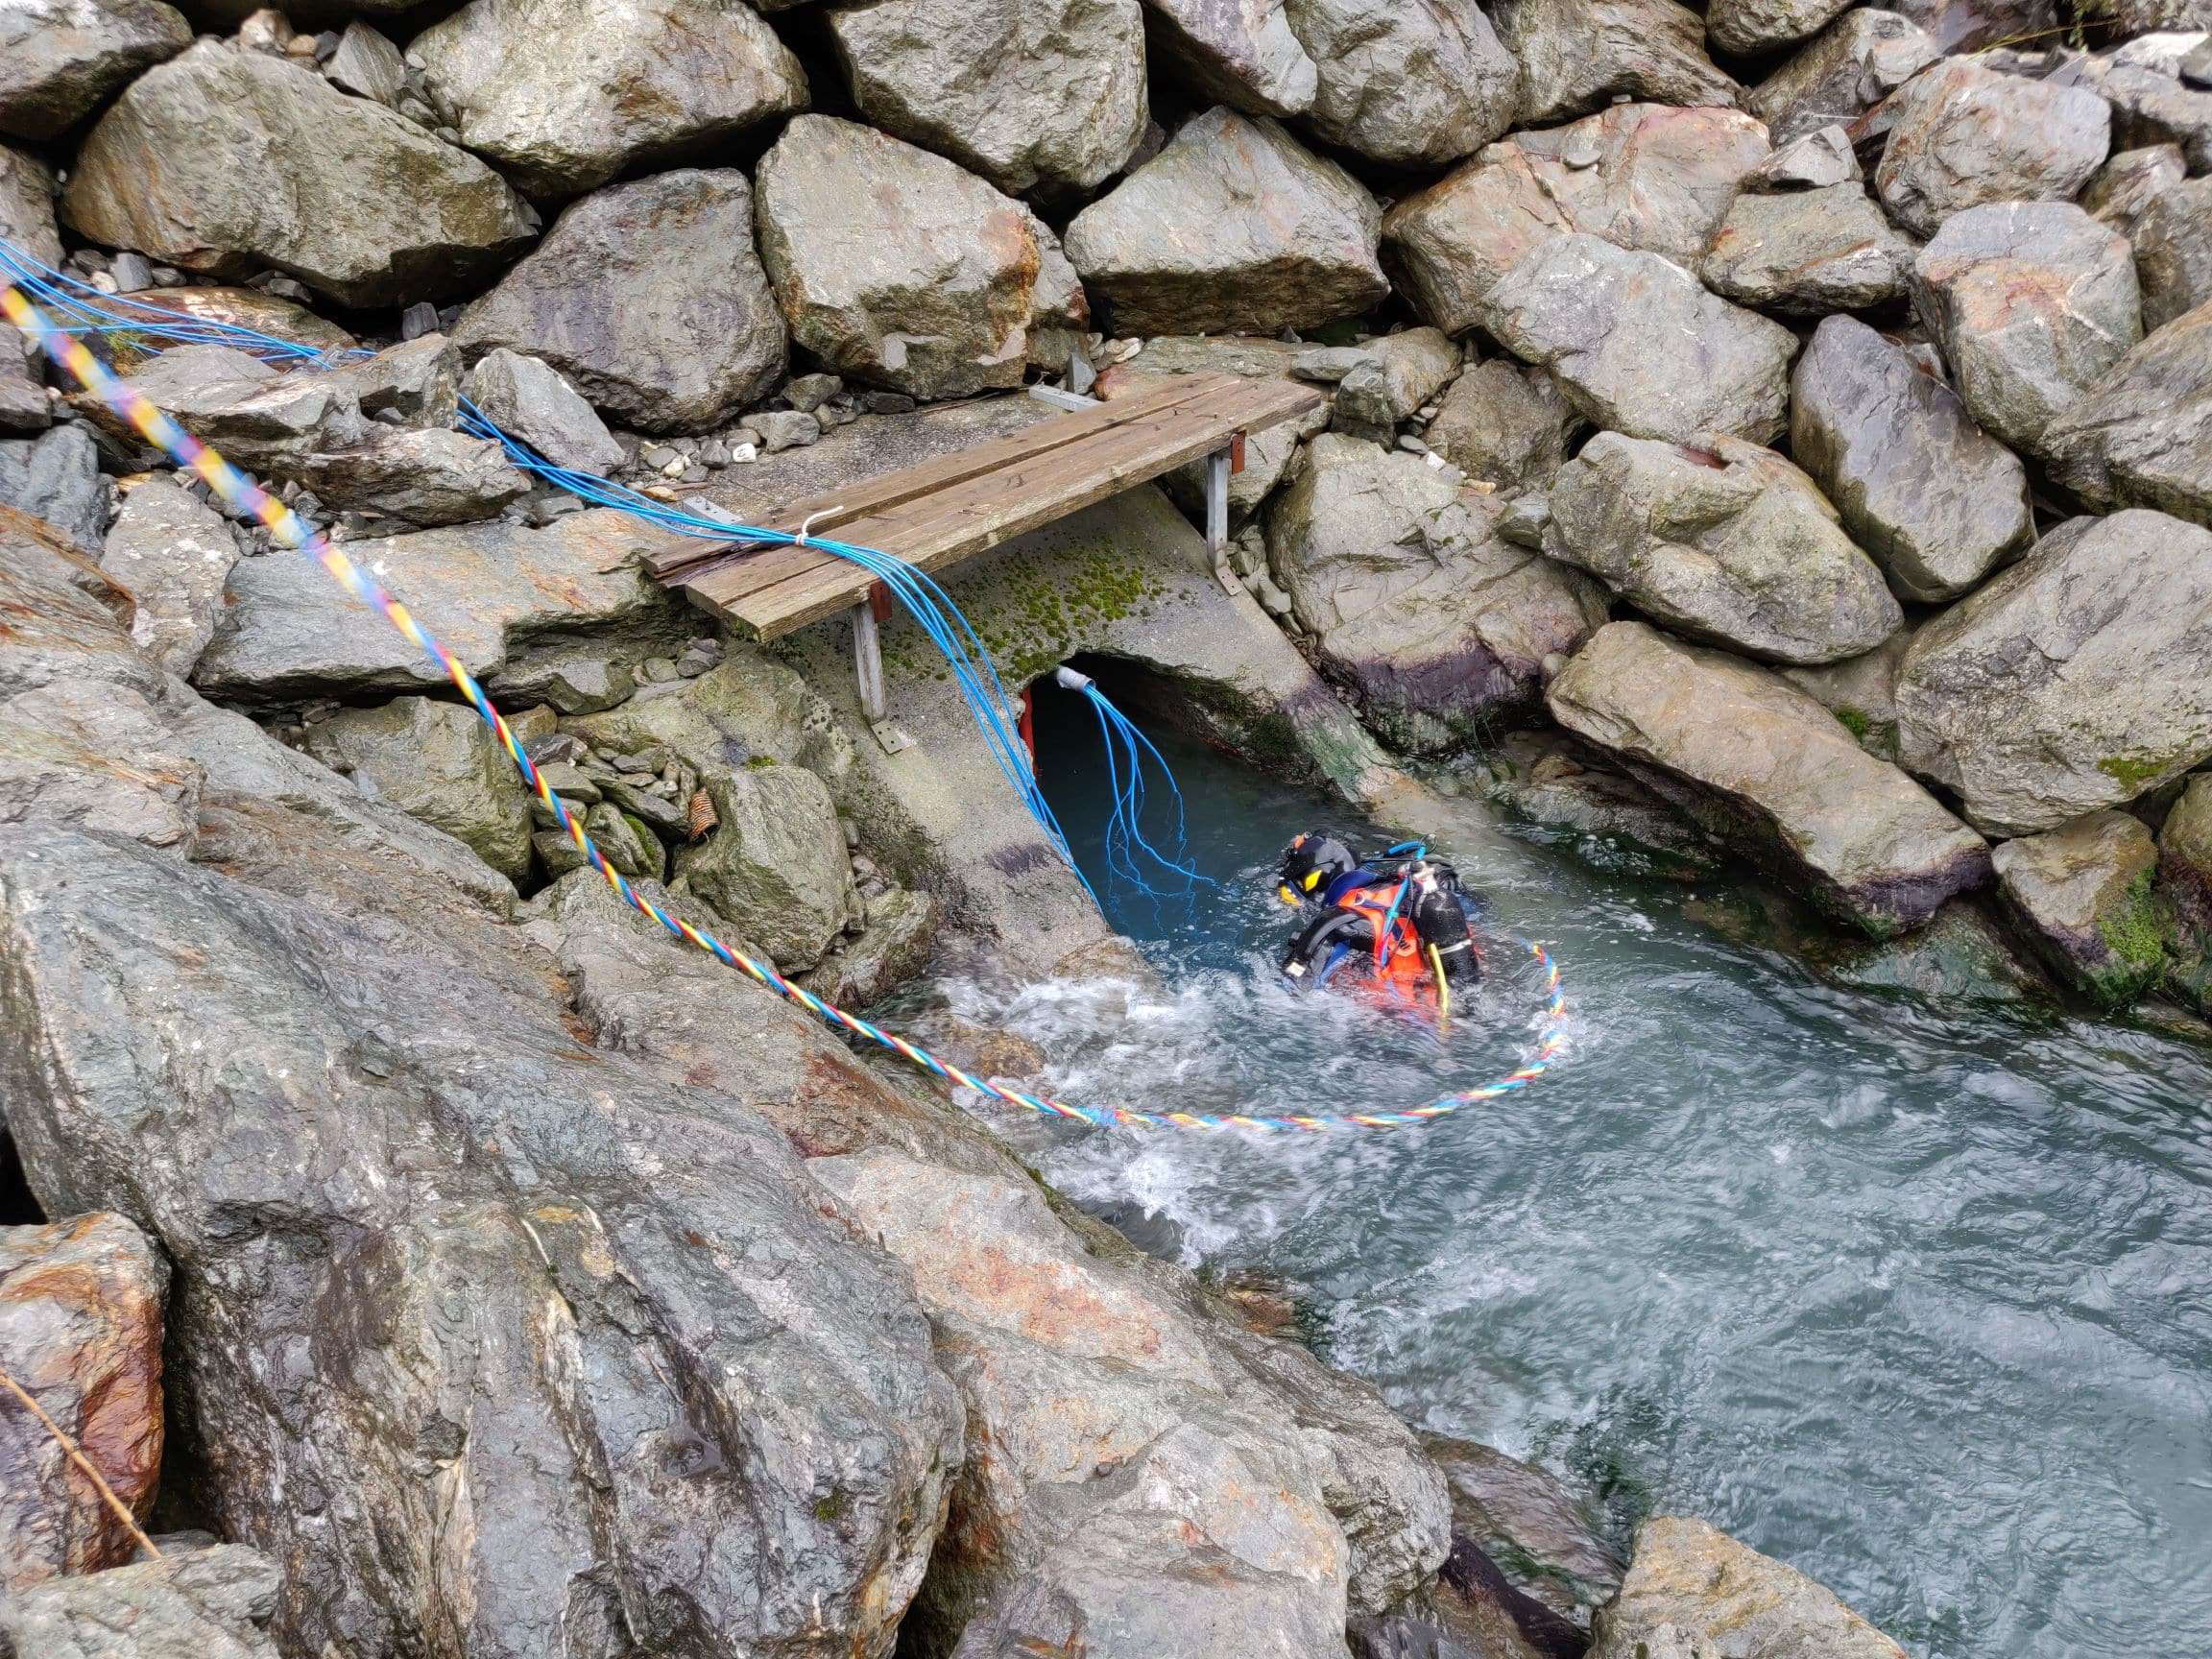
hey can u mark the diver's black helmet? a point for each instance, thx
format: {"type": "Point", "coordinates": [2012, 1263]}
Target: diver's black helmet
{"type": "Point", "coordinates": [1310, 863]}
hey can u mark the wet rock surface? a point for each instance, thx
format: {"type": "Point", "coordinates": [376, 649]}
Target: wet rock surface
{"type": "Point", "coordinates": [777, 868]}
{"type": "Point", "coordinates": [1808, 252]}
{"type": "Point", "coordinates": [1964, 135]}
{"type": "Point", "coordinates": [61, 58]}
{"type": "Point", "coordinates": [1865, 55]}
{"type": "Point", "coordinates": [2082, 893]}
{"type": "Point", "coordinates": [1524, 1520]}
{"type": "Point", "coordinates": [2142, 436]}
{"type": "Point", "coordinates": [206, 1603]}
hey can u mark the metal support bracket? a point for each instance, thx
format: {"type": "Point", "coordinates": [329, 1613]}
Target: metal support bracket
{"type": "Point", "coordinates": [1218, 466]}
{"type": "Point", "coordinates": [868, 617]}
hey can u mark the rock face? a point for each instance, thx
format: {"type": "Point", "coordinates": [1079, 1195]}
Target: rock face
{"type": "Point", "coordinates": [27, 205]}
{"type": "Point", "coordinates": [1576, 55]}
{"type": "Point", "coordinates": [1504, 425]}
{"type": "Point", "coordinates": [1753, 26]}
{"type": "Point", "coordinates": [226, 163]}
{"type": "Point", "coordinates": [1640, 176]}
{"type": "Point", "coordinates": [1521, 1517]}
{"type": "Point", "coordinates": [1760, 763]}
{"type": "Point", "coordinates": [1933, 499]}
{"type": "Point", "coordinates": [1241, 52]}
{"type": "Point", "coordinates": [1234, 227]}
{"type": "Point", "coordinates": [1039, 99]}
{"type": "Point", "coordinates": [1965, 134]}
{"type": "Point", "coordinates": [1409, 86]}
{"type": "Point", "coordinates": [1693, 1589]}
{"type": "Point", "coordinates": [421, 476]}
{"type": "Point", "coordinates": [80, 1333]}
{"type": "Point", "coordinates": [1808, 252]}
{"type": "Point", "coordinates": [173, 553]}
{"type": "Point", "coordinates": [1401, 372]}
{"type": "Point", "coordinates": [2083, 893]}
{"type": "Point", "coordinates": [439, 762]}
{"type": "Point", "coordinates": [776, 869]}
{"type": "Point", "coordinates": [61, 58]}
{"type": "Point", "coordinates": [567, 93]}
{"type": "Point", "coordinates": [2142, 436]}
{"type": "Point", "coordinates": [1723, 541]}
{"type": "Point", "coordinates": [2032, 304]}
{"type": "Point", "coordinates": [1639, 346]}
{"type": "Point", "coordinates": [2173, 251]}
{"type": "Point", "coordinates": [526, 399]}
{"type": "Point", "coordinates": [2076, 680]}
{"type": "Point", "coordinates": [57, 477]}
{"type": "Point", "coordinates": [1429, 620]}
{"type": "Point", "coordinates": [898, 268]}
{"type": "Point", "coordinates": [650, 299]}
{"type": "Point", "coordinates": [207, 1604]}
{"type": "Point", "coordinates": [1866, 55]}
{"type": "Point", "coordinates": [2130, 182]}
{"type": "Point", "coordinates": [257, 417]}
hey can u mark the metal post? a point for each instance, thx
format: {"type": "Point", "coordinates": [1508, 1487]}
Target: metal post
{"type": "Point", "coordinates": [868, 663]}
{"type": "Point", "coordinates": [1217, 468]}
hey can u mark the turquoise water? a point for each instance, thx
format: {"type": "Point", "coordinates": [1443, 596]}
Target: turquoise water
{"type": "Point", "coordinates": [1916, 1298]}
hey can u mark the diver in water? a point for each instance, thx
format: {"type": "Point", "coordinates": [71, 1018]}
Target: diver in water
{"type": "Point", "coordinates": [1413, 927]}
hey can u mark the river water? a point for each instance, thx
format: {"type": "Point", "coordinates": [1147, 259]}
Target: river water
{"type": "Point", "coordinates": [1916, 1298]}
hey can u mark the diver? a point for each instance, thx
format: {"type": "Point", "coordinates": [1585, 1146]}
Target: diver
{"type": "Point", "coordinates": [1413, 927]}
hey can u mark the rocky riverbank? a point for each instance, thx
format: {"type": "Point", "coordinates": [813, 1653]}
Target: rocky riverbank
{"type": "Point", "coordinates": [1773, 437]}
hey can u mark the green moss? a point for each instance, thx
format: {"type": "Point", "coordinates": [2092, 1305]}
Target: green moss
{"type": "Point", "coordinates": [1856, 721]}
{"type": "Point", "coordinates": [829, 1508]}
{"type": "Point", "coordinates": [2131, 774]}
{"type": "Point", "coordinates": [2135, 929]}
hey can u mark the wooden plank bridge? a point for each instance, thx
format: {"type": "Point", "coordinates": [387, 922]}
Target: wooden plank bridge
{"type": "Point", "coordinates": [941, 511]}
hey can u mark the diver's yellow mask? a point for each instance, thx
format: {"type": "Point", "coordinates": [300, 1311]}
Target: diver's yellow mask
{"type": "Point", "coordinates": [1310, 881]}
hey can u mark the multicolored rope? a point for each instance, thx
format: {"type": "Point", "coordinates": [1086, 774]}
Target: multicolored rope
{"type": "Point", "coordinates": [246, 496]}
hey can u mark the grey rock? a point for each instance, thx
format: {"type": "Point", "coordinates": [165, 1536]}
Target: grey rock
{"type": "Point", "coordinates": [1640, 176]}
{"type": "Point", "coordinates": [1861, 692]}
{"type": "Point", "coordinates": [1039, 99]}
{"type": "Point", "coordinates": [1748, 26]}
{"type": "Point", "coordinates": [527, 398]}
{"type": "Point", "coordinates": [424, 475]}
{"type": "Point", "coordinates": [2196, 66]}
{"type": "Point", "coordinates": [27, 207]}
{"type": "Point", "coordinates": [57, 477]}
{"type": "Point", "coordinates": [1414, 85]}
{"type": "Point", "coordinates": [782, 429]}
{"type": "Point", "coordinates": [1327, 365]}
{"type": "Point", "coordinates": [418, 381]}
{"type": "Point", "coordinates": [2082, 893]}
{"type": "Point", "coordinates": [1865, 56]}
{"type": "Point", "coordinates": [1504, 425]}
{"type": "Point", "coordinates": [859, 972]}
{"type": "Point", "coordinates": [1242, 53]}
{"type": "Point", "coordinates": [567, 93]}
{"type": "Point", "coordinates": [259, 163]}
{"type": "Point", "coordinates": [1808, 252]}
{"type": "Point", "coordinates": [1724, 542]}
{"type": "Point", "coordinates": [1964, 26]}
{"type": "Point", "coordinates": [1234, 227]}
{"type": "Point", "coordinates": [2150, 106]}
{"type": "Point", "coordinates": [255, 415]}
{"type": "Point", "coordinates": [2076, 680]}
{"type": "Point", "coordinates": [439, 762]}
{"type": "Point", "coordinates": [808, 393]}
{"type": "Point", "coordinates": [67, 620]}
{"type": "Point", "coordinates": [367, 63]}
{"type": "Point", "coordinates": [131, 272]}
{"type": "Point", "coordinates": [1933, 500]}
{"type": "Point", "coordinates": [1692, 1587]}
{"type": "Point", "coordinates": [1577, 55]}
{"type": "Point", "coordinates": [630, 846]}
{"type": "Point", "coordinates": [899, 268]}
{"type": "Point", "coordinates": [1430, 622]}
{"type": "Point", "coordinates": [1617, 822]}
{"type": "Point", "coordinates": [1820, 158]}
{"type": "Point", "coordinates": [81, 1331]}
{"type": "Point", "coordinates": [2142, 436]}
{"type": "Point", "coordinates": [1399, 373]}
{"type": "Point", "coordinates": [776, 868]}
{"type": "Point", "coordinates": [173, 553]}
{"type": "Point", "coordinates": [2130, 182]}
{"type": "Point", "coordinates": [1963, 954]}
{"type": "Point", "coordinates": [1525, 1521]}
{"type": "Point", "coordinates": [207, 1604]}
{"type": "Point", "coordinates": [1639, 346]}
{"type": "Point", "coordinates": [1761, 765]}
{"type": "Point", "coordinates": [650, 299]}
{"type": "Point", "coordinates": [61, 58]}
{"type": "Point", "coordinates": [24, 406]}
{"type": "Point", "coordinates": [2173, 242]}
{"type": "Point", "coordinates": [2031, 302]}
{"type": "Point", "coordinates": [1965, 136]}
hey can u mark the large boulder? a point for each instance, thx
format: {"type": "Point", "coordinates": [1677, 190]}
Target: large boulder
{"type": "Point", "coordinates": [1808, 252]}
{"type": "Point", "coordinates": [1865, 56]}
{"type": "Point", "coordinates": [1234, 227]}
{"type": "Point", "coordinates": [1934, 500]}
{"type": "Point", "coordinates": [564, 94]}
{"type": "Point", "coordinates": [1242, 52]}
{"type": "Point", "coordinates": [1760, 763]}
{"type": "Point", "coordinates": [1750, 27]}
{"type": "Point", "coordinates": [1522, 1517]}
{"type": "Point", "coordinates": [650, 299]}
{"type": "Point", "coordinates": [228, 162]}
{"type": "Point", "coordinates": [776, 868]}
{"type": "Point", "coordinates": [901, 269]}
{"type": "Point", "coordinates": [192, 1604]}
{"type": "Point", "coordinates": [422, 476]}
{"type": "Point", "coordinates": [1407, 85]}
{"type": "Point", "coordinates": [27, 207]}
{"type": "Point", "coordinates": [2142, 436]}
{"type": "Point", "coordinates": [1578, 55]}
{"type": "Point", "coordinates": [61, 58]}
{"type": "Point", "coordinates": [2126, 185]}
{"type": "Point", "coordinates": [1417, 608]}
{"type": "Point", "coordinates": [80, 1332]}
{"type": "Point", "coordinates": [2031, 302]}
{"type": "Point", "coordinates": [527, 398]}
{"type": "Point", "coordinates": [1964, 135]}
{"type": "Point", "coordinates": [1723, 541]}
{"type": "Point", "coordinates": [173, 553]}
{"type": "Point", "coordinates": [56, 476]}
{"type": "Point", "coordinates": [257, 417]}
{"type": "Point", "coordinates": [1967, 26]}
{"type": "Point", "coordinates": [1638, 344]}
{"type": "Point", "coordinates": [437, 762]}
{"type": "Point", "coordinates": [2172, 239]}
{"type": "Point", "coordinates": [1504, 425]}
{"type": "Point", "coordinates": [1040, 98]}
{"type": "Point", "coordinates": [1640, 176]}
{"type": "Point", "coordinates": [2078, 679]}
{"type": "Point", "coordinates": [1398, 376]}
{"type": "Point", "coordinates": [1692, 1589]}
{"type": "Point", "coordinates": [2082, 893]}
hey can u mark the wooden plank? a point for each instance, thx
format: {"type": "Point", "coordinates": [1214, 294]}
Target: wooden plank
{"type": "Point", "coordinates": [873, 496]}
{"type": "Point", "coordinates": [938, 529]}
